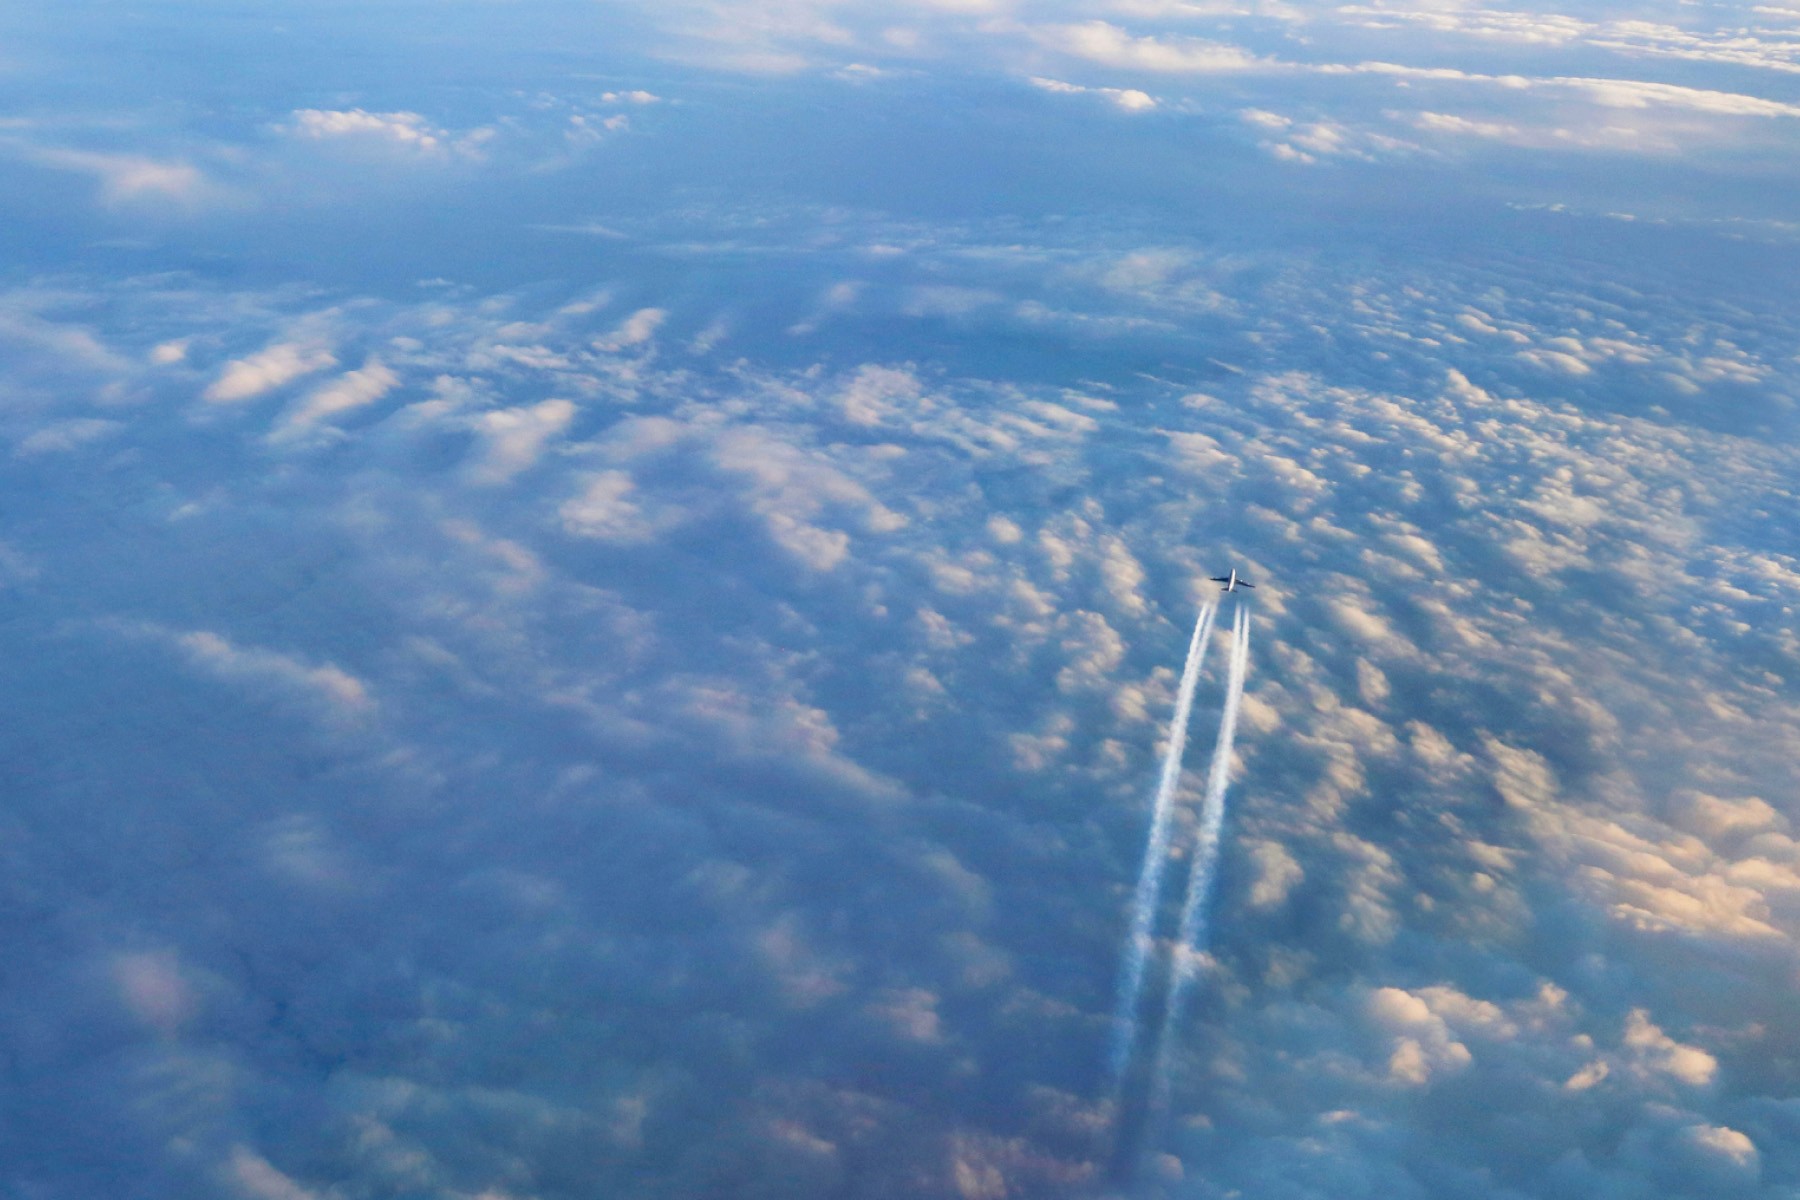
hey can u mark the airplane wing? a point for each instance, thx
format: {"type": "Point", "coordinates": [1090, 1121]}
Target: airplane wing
{"type": "Point", "coordinates": [1241, 583]}
{"type": "Point", "coordinates": [1221, 579]}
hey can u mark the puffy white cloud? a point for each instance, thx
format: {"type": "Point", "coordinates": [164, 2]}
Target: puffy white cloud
{"type": "Point", "coordinates": [338, 690]}
{"type": "Point", "coordinates": [514, 438]}
{"type": "Point", "coordinates": [1291, 140]}
{"type": "Point", "coordinates": [405, 132]}
{"type": "Point", "coordinates": [1633, 38]}
{"type": "Point", "coordinates": [66, 343]}
{"type": "Point", "coordinates": [1726, 1143]}
{"type": "Point", "coordinates": [1450, 123]}
{"type": "Point", "coordinates": [126, 179]}
{"type": "Point", "coordinates": [635, 330]}
{"type": "Point", "coordinates": [167, 353]}
{"type": "Point", "coordinates": [1549, 29]}
{"type": "Point", "coordinates": [252, 1176]}
{"type": "Point", "coordinates": [68, 435]}
{"type": "Point", "coordinates": [272, 367]}
{"type": "Point", "coordinates": [1107, 44]}
{"type": "Point", "coordinates": [876, 394]}
{"type": "Point", "coordinates": [324, 689]}
{"type": "Point", "coordinates": [152, 986]}
{"type": "Point", "coordinates": [404, 127]}
{"type": "Point", "coordinates": [353, 390]}
{"type": "Point", "coordinates": [1358, 621]}
{"type": "Point", "coordinates": [1632, 93]}
{"type": "Point", "coordinates": [790, 489]}
{"type": "Point", "coordinates": [1277, 873]}
{"type": "Point", "coordinates": [605, 510]}
{"type": "Point", "coordinates": [1129, 99]}
{"type": "Point", "coordinates": [1655, 1052]}
{"type": "Point", "coordinates": [910, 1013]}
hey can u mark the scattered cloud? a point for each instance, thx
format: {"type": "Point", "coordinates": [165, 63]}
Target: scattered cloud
{"type": "Point", "coordinates": [272, 367]}
{"type": "Point", "coordinates": [1111, 46]}
{"type": "Point", "coordinates": [635, 330]}
{"type": "Point", "coordinates": [406, 132]}
{"type": "Point", "coordinates": [65, 436]}
{"type": "Point", "coordinates": [604, 510]}
{"type": "Point", "coordinates": [351, 391]}
{"type": "Point", "coordinates": [764, 658]}
{"type": "Point", "coordinates": [514, 438]}
{"type": "Point", "coordinates": [125, 179]}
{"type": "Point", "coordinates": [1310, 141]}
{"type": "Point", "coordinates": [1129, 99]}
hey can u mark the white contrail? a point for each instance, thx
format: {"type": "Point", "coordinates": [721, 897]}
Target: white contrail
{"type": "Point", "coordinates": [1192, 936]}
{"type": "Point", "coordinates": [1156, 850]}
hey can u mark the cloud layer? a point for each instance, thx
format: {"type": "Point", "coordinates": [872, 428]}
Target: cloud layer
{"type": "Point", "coordinates": [607, 631]}
{"type": "Point", "coordinates": [591, 728]}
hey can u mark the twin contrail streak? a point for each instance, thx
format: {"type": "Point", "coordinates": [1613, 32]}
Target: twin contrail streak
{"type": "Point", "coordinates": [1192, 936]}
{"type": "Point", "coordinates": [1156, 851]}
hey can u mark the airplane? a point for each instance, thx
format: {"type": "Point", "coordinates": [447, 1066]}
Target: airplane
{"type": "Point", "coordinates": [1232, 582]}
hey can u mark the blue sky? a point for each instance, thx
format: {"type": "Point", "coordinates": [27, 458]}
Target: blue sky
{"type": "Point", "coordinates": [594, 594]}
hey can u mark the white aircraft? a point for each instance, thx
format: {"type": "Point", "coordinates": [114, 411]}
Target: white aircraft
{"type": "Point", "coordinates": [1232, 582]}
